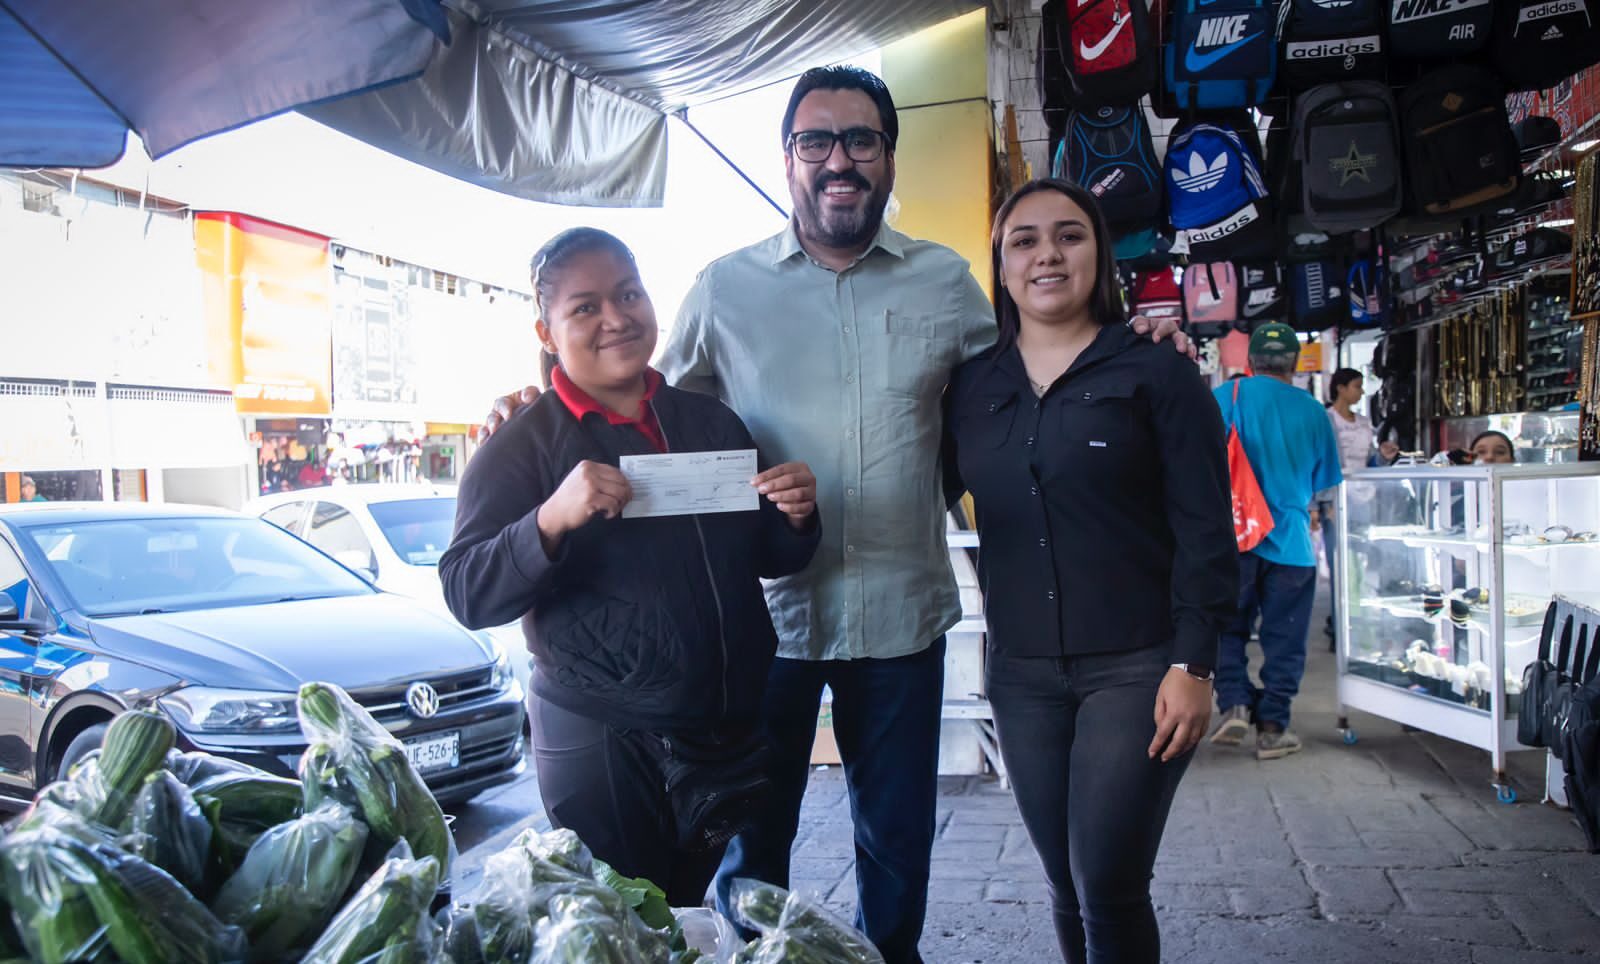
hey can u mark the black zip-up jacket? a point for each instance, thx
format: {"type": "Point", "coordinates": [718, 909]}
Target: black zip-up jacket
{"type": "Point", "coordinates": [649, 623]}
{"type": "Point", "coordinates": [1103, 509]}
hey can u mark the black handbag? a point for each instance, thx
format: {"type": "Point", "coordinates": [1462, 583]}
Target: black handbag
{"type": "Point", "coordinates": [714, 786]}
{"type": "Point", "coordinates": [1530, 719]}
{"type": "Point", "coordinates": [1580, 751]}
{"type": "Point", "coordinates": [1569, 671]}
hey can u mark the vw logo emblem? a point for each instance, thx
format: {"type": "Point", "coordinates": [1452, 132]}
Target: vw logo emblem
{"type": "Point", "coordinates": [422, 699]}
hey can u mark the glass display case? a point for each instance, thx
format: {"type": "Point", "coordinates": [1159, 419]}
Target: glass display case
{"type": "Point", "coordinates": [1447, 574]}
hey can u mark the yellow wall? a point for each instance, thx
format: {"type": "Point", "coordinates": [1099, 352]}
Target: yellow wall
{"type": "Point", "coordinates": [942, 163]}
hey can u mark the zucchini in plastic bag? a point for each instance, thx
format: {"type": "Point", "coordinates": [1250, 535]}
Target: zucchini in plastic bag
{"type": "Point", "coordinates": [795, 930]}
{"type": "Point", "coordinates": [168, 828]}
{"type": "Point", "coordinates": [292, 881]}
{"type": "Point", "coordinates": [387, 920]}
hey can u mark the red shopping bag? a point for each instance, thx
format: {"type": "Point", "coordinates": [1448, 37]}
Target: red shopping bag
{"type": "Point", "coordinates": [1252, 517]}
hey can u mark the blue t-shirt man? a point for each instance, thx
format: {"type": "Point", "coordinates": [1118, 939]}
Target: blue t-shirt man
{"type": "Point", "coordinates": [1290, 444]}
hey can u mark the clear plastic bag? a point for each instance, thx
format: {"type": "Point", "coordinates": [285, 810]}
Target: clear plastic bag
{"type": "Point", "coordinates": [580, 929]}
{"type": "Point", "coordinates": [351, 758]}
{"type": "Point", "coordinates": [73, 899]}
{"type": "Point", "coordinates": [292, 881]}
{"type": "Point", "coordinates": [169, 829]}
{"type": "Point", "coordinates": [794, 930]}
{"type": "Point", "coordinates": [242, 801]}
{"type": "Point", "coordinates": [387, 920]}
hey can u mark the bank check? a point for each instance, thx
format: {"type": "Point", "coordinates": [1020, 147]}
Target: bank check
{"type": "Point", "coordinates": [690, 483]}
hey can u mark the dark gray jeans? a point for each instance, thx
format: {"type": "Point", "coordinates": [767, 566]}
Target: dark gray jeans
{"type": "Point", "coordinates": [1074, 734]}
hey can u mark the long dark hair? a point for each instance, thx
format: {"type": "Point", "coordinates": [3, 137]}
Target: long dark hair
{"type": "Point", "coordinates": [1105, 301]}
{"type": "Point", "coordinates": [1339, 380]}
{"type": "Point", "coordinates": [556, 254]}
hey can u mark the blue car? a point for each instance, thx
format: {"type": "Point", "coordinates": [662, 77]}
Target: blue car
{"type": "Point", "coordinates": [215, 619]}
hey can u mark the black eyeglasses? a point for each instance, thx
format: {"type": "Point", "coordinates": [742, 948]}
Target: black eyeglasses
{"type": "Point", "coordinates": [861, 144]}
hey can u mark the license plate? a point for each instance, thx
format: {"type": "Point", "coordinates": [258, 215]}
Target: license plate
{"type": "Point", "coordinates": [430, 753]}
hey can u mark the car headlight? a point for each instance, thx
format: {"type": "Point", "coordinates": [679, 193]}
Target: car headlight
{"type": "Point", "coordinates": [209, 710]}
{"type": "Point", "coordinates": [503, 677]}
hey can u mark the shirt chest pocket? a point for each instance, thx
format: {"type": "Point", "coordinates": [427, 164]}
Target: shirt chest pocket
{"type": "Point", "coordinates": [985, 423]}
{"type": "Point", "coordinates": [916, 359]}
{"type": "Point", "coordinates": [1101, 419]}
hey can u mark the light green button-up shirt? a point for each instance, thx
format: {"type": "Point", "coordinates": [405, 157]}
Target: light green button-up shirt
{"type": "Point", "coordinates": [844, 371]}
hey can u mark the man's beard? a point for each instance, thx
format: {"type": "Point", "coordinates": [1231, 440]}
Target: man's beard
{"type": "Point", "coordinates": [837, 227]}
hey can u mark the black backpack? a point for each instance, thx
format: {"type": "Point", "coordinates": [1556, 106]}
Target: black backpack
{"type": "Point", "coordinates": [1348, 150]}
{"type": "Point", "coordinates": [1461, 157]}
{"type": "Point", "coordinates": [1539, 43]}
{"type": "Point", "coordinates": [1109, 152]}
{"type": "Point", "coordinates": [1580, 751]}
{"type": "Point", "coordinates": [1261, 292]}
{"type": "Point", "coordinates": [1319, 298]}
{"type": "Point", "coordinates": [1328, 41]}
{"type": "Point", "coordinates": [1096, 53]}
{"type": "Point", "coordinates": [1437, 29]}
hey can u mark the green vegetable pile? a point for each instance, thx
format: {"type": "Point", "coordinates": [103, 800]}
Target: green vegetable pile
{"type": "Point", "coordinates": [145, 855]}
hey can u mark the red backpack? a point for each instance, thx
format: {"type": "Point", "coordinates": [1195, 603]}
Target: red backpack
{"type": "Point", "coordinates": [1103, 52]}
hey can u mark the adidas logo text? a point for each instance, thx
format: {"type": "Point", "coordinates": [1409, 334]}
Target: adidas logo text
{"type": "Point", "coordinates": [1216, 232]}
{"type": "Point", "coordinates": [1556, 8]}
{"type": "Point", "coordinates": [1554, 33]}
{"type": "Point", "coordinates": [1317, 49]}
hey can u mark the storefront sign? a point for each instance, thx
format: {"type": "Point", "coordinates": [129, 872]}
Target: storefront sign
{"type": "Point", "coordinates": [268, 307]}
{"type": "Point", "coordinates": [1310, 357]}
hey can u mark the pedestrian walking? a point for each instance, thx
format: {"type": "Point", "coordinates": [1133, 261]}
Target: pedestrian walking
{"type": "Point", "coordinates": [1290, 444]}
{"type": "Point", "coordinates": [1107, 561]}
{"type": "Point", "coordinates": [650, 636]}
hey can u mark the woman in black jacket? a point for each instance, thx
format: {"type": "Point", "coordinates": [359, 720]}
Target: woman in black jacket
{"type": "Point", "coordinates": [650, 637]}
{"type": "Point", "coordinates": [1107, 559]}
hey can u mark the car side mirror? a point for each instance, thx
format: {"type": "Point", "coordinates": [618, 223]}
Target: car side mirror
{"type": "Point", "coordinates": [361, 562]}
{"type": "Point", "coordinates": [13, 621]}
{"type": "Point", "coordinates": [8, 610]}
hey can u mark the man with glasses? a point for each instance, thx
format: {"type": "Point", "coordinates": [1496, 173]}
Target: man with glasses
{"type": "Point", "coordinates": [834, 340]}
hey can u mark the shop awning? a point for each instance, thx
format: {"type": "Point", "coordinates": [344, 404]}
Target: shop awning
{"type": "Point", "coordinates": [552, 100]}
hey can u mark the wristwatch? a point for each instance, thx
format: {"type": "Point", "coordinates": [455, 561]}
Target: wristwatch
{"type": "Point", "coordinates": [1204, 674]}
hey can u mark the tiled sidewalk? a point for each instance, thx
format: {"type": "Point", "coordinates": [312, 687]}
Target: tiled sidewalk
{"type": "Point", "coordinates": [1390, 850]}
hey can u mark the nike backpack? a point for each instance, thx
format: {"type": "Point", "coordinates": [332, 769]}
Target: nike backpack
{"type": "Point", "coordinates": [1461, 156]}
{"type": "Point", "coordinates": [1211, 298]}
{"type": "Point", "coordinates": [1347, 146]}
{"type": "Point", "coordinates": [1217, 199]}
{"type": "Point", "coordinates": [1319, 297]}
{"type": "Point", "coordinates": [1329, 41]}
{"type": "Point", "coordinates": [1156, 295]}
{"type": "Point", "coordinates": [1438, 29]}
{"type": "Point", "coordinates": [1364, 282]}
{"type": "Point", "coordinates": [1223, 53]}
{"type": "Point", "coordinates": [1261, 294]}
{"type": "Point", "coordinates": [1109, 152]}
{"type": "Point", "coordinates": [1539, 43]}
{"type": "Point", "coordinates": [1104, 51]}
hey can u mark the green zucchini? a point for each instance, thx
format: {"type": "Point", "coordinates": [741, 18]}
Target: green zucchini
{"type": "Point", "coordinates": [136, 743]}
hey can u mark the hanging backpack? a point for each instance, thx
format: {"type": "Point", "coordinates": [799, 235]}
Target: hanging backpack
{"type": "Point", "coordinates": [1156, 295]}
{"type": "Point", "coordinates": [1261, 294]}
{"type": "Point", "coordinates": [1364, 281]}
{"type": "Point", "coordinates": [1223, 53]}
{"type": "Point", "coordinates": [1329, 41]}
{"type": "Point", "coordinates": [1347, 147]}
{"type": "Point", "coordinates": [1211, 298]}
{"type": "Point", "coordinates": [1104, 51]}
{"type": "Point", "coordinates": [1461, 156]}
{"type": "Point", "coordinates": [1216, 196]}
{"type": "Point", "coordinates": [1438, 29]}
{"type": "Point", "coordinates": [1319, 298]}
{"type": "Point", "coordinates": [1580, 747]}
{"type": "Point", "coordinates": [1109, 152]}
{"type": "Point", "coordinates": [1540, 43]}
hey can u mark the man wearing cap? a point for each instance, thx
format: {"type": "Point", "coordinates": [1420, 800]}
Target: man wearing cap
{"type": "Point", "coordinates": [1291, 446]}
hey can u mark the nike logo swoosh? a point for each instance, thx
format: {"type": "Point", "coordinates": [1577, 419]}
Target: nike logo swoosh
{"type": "Point", "coordinates": [1195, 62]}
{"type": "Point", "coordinates": [1094, 52]}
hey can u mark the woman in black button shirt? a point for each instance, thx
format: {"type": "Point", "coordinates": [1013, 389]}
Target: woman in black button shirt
{"type": "Point", "coordinates": [1107, 559]}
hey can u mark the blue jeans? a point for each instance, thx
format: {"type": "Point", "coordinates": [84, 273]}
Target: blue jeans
{"type": "Point", "coordinates": [886, 716]}
{"type": "Point", "coordinates": [1280, 597]}
{"type": "Point", "coordinates": [1074, 733]}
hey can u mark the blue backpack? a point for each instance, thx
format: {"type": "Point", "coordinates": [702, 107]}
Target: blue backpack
{"type": "Point", "coordinates": [1365, 285]}
{"type": "Point", "coordinates": [1216, 196]}
{"type": "Point", "coordinates": [1109, 152]}
{"type": "Point", "coordinates": [1223, 53]}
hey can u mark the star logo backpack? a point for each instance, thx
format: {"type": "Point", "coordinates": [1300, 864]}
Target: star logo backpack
{"type": "Point", "coordinates": [1223, 53]}
{"type": "Point", "coordinates": [1347, 145]}
{"type": "Point", "coordinates": [1438, 29]}
{"type": "Point", "coordinates": [1097, 53]}
{"type": "Point", "coordinates": [1327, 41]}
{"type": "Point", "coordinates": [1539, 43]}
{"type": "Point", "coordinates": [1109, 152]}
{"type": "Point", "coordinates": [1216, 195]}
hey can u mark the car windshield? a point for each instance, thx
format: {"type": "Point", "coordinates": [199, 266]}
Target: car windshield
{"type": "Point", "coordinates": [418, 529]}
{"type": "Point", "coordinates": [130, 566]}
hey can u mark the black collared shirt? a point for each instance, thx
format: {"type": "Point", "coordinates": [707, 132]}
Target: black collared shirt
{"type": "Point", "coordinates": [1103, 509]}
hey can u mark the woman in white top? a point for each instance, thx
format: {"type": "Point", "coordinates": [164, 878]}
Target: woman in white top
{"type": "Point", "coordinates": [1357, 451]}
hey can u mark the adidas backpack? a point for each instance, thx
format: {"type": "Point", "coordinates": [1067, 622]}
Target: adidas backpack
{"type": "Point", "coordinates": [1216, 196]}
{"type": "Point", "coordinates": [1261, 296]}
{"type": "Point", "coordinates": [1327, 41]}
{"type": "Point", "coordinates": [1539, 43]}
{"type": "Point", "coordinates": [1223, 53]}
{"type": "Point", "coordinates": [1348, 150]}
{"type": "Point", "coordinates": [1436, 29]}
{"type": "Point", "coordinates": [1319, 298]}
{"type": "Point", "coordinates": [1096, 53]}
{"type": "Point", "coordinates": [1109, 152]}
{"type": "Point", "coordinates": [1211, 297]}
{"type": "Point", "coordinates": [1461, 156]}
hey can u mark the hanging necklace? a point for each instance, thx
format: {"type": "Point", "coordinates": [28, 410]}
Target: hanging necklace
{"type": "Point", "coordinates": [1038, 389]}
